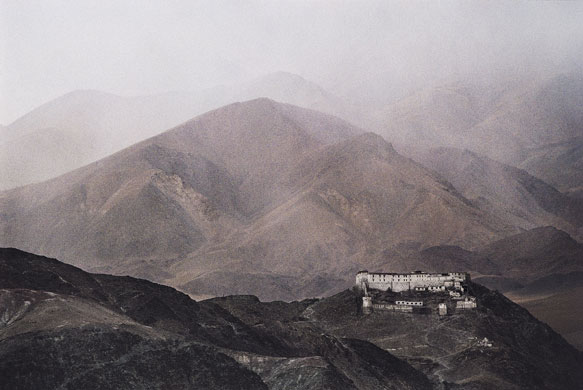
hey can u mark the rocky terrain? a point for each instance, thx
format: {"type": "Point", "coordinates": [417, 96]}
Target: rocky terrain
{"type": "Point", "coordinates": [61, 327]}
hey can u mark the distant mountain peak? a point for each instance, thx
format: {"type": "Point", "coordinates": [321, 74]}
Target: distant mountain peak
{"type": "Point", "coordinates": [260, 101]}
{"type": "Point", "coordinates": [292, 88]}
{"type": "Point", "coordinates": [89, 91]}
{"type": "Point", "coordinates": [374, 143]}
{"type": "Point", "coordinates": [284, 76]}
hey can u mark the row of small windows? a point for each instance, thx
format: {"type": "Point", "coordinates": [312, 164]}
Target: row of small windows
{"type": "Point", "coordinates": [376, 277]}
{"type": "Point", "coordinates": [409, 303]}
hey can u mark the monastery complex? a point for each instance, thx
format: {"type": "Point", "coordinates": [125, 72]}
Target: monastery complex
{"type": "Point", "coordinates": [450, 289]}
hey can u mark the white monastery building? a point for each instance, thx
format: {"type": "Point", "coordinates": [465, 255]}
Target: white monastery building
{"type": "Point", "coordinates": [416, 281]}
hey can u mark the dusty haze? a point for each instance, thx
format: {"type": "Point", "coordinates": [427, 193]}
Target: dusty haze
{"type": "Point", "coordinates": [269, 150]}
{"type": "Point", "coordinates": [486, 98]}
{"type": "Point", "coordinates": [365, 51]}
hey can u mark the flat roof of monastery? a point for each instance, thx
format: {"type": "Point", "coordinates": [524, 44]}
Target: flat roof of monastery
{"type": "Point", "coordinates": [411, 273]}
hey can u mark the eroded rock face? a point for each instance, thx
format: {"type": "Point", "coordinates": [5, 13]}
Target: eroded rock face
{"type": "Point", "coordinates": [12, 307]}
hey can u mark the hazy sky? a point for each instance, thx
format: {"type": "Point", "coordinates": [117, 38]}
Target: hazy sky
{"type": "Point", "coordinates": [50, 47]}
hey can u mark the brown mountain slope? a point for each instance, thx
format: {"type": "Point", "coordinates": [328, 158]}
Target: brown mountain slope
{"type": "Point", "coordinates": [510, 193]}
{"type": "Point", "coordinates": [560, 164]}
{"type": "Point", "coordinates": [545, 255]}
{"type": "Point", "coordinates": [81, 127]}
{"type": "Point", "coordinates": [536, 253]}
{"type": "Point", "coordinates": [535, 114]}
{"type": "Point", "coordinates": [167, 195]}
{"type": "Point", "coordinates": [541, 260]}
{"type": "Point", "coordinates": [534, 124]}
{"type": "Point", "coordinates": [391, 198]}
{"type": "Point", "coordinates": [256, 191]}
{"type": "Point", "coordinates": [84, 126]}
{"type": "Point", "coordinates": [294, 89]}
{"type": "Point", "coordinates": [432, 116]}
{"type": "Point", "coordinates": [351, 201]}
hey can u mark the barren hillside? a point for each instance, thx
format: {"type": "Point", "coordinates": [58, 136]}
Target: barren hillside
{"type": "Point", "coordinates": [84, 126]}
{"type": "Point", "coordinates": [255, 191]}
{"type": "Point", "coordinates": [534, 123]}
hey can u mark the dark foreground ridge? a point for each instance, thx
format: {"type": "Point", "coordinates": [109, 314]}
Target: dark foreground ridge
{"type": "Point", "coordinates": [61, 327]}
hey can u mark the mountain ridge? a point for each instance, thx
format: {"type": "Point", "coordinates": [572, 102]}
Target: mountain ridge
{"type": "Point", "coordinates": [509, 192]}
{"type": "Point", "coordinates": [530, 123]}
{"type": "Point", "coordinates": [248, 187]}
{"type": "Point", "coordinates": [88, 125]}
